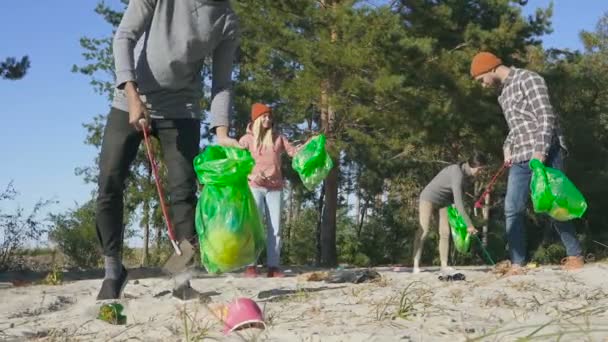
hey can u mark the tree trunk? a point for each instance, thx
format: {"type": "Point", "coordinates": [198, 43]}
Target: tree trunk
{"type": "Point", "coordinates": [358, 204]}
{"type": "Point", "coordinates": [328, 118]}
{"type": "Point", "coordinates": [328, 225]}
{"type": "Point", "coordinates": [159, 237]}
{"type": "Point", "coordinates": [146, 253]}
{"type": "Point", "coordinates": [290, 214]}
{"type": "Point", "coordinates": [145, 258]}
{"type": "Point", "coordinates": [486, 219]}
{"type": "Point", "coordinates": [361, 219]}
{"type": "Point", "coordinates": [329, 255]}
{"type": "Point", "coordinates": [319, 225]}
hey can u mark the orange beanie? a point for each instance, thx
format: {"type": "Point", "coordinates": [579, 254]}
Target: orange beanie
{"type": "Point", "coordinates": [259, 109]}
{"type": "Point", "coordinates": [484, 62]}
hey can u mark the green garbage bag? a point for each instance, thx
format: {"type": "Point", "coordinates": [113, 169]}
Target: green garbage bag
{"type": "Point", "coordinates": [553, 193]}
{"type": "Point", "coordinates": [312, 162]}
{"type": "Point", "coordinates": [227, 220]}
{"type": "Point", "coordinates": [462, 238]}
{"type": "Point", "coordinates": [112, 313]}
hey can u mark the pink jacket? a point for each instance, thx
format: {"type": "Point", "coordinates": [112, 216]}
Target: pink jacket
{"type": "Point", "coordinates": [267, 171]}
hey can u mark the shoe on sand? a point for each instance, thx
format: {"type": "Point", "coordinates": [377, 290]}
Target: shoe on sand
{"type": "Point", "coordinates": [572, 263]}
{"type": "Point", "coordinates": [112, 288]}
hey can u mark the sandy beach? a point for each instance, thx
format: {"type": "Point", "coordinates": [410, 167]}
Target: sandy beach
{"type": "Point", "coordinates": [544, 305]}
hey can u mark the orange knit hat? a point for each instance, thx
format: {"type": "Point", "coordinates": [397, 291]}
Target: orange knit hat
{"type": "Point", "coordinates": [484, 62]}
{"type": "Point", "coordinates": [259, 109]}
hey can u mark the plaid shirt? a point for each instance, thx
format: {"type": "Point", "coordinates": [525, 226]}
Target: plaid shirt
{"type": "Point", "coordinates": [533, 125]}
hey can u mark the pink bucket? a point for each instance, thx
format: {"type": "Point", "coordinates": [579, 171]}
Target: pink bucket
{"type": "Point", "coordinates": [242, 312]}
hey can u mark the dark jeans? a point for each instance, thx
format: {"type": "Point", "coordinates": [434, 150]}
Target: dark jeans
{"type": "Point", "coordinates": [518, 193]}
{"type": "Point", "coordinates": [179, 140]}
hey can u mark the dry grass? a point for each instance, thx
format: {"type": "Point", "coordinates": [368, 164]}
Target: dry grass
{"type": "Point", "coordinates": [500, 300]}
{"type": "Point", "coordinates": [413, 300]}
{"type": "Point", "coordinates": [569, 325]}
{"type": "Point", "coordinates": [195, 327]}
{"type": "Point", "coordinates": [61, 334]}
{"type": "Point", "coordinates": [383, 282]}
{"type": "Point", "coordinates": [56, 305]}
{"type": "Point", "coordinates": [523, 286]}
{"type": "Point", "coordinates": [456, 296]}
{"type": "Point", "coordinates": [356, 294]}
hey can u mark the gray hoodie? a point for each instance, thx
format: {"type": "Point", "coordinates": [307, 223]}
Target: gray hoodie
{"type": "Point", "coordinates": [446, 189]}
{"type": "Point", "coordinates": [162, 46]}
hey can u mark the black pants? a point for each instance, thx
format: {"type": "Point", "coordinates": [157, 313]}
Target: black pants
{"type": "Point", "coordinates": [179, 140]}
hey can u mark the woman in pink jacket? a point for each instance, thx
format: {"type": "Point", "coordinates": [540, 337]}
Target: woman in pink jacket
{"type": "Point", "coordinates": [266, 180]}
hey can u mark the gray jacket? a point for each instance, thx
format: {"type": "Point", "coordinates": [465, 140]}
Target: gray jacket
{"type": "Point", "coordinates": [446, 188]}
{"type": "Point", "coordinates": [162, 46]}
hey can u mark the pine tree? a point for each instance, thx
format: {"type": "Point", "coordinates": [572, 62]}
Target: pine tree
{"type": "Point", "coordinates": [11, 69]}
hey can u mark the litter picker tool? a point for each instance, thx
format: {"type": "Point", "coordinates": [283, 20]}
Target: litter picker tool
{"type": "Point", "coordinates": [479, 203]}
{"type": "Point", "coordinates": [184, 251]}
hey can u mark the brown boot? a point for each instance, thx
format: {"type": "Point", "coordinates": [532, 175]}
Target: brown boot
{"type": "Point", "coordinates": [251, 272]}
{"type": "Point", "coordinates": [572, 263]}
{"type": "Point", "coordinates": [515, 270]}
{"type": "Point", "coordinates": [275, 272]}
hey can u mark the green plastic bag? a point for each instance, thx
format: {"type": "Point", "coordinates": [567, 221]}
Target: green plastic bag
{"type": "Point", "coordinates": [112, 313]}
{"type": "Point", "coordinates": [462, 238]}
{"type": "Point", "coordinates": [227, 220]}
{"type": "Point", "coordinates": [312, 162]}
{"type": "Point", "coordinates": [553, 193]}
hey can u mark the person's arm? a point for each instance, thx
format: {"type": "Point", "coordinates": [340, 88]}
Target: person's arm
{"type": "Point", "coordinates": [458, 200]}
{"type": "Point", "coordinates": [221, 90]}
{"type": "Point", "coordinates": [134, 21]}
{"type": "Point", "coordinates": [289, 148]}
{"type": "Point", "coordinates": [223, 139]}
{"type": "Point", "coordinates": [244, 141]}
{"type": "Point", "coordinates": [536, 92]}
{"type": "Point", "coordinates": [131, 27]}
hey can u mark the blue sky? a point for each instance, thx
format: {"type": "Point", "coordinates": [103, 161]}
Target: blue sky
{"type": "Point", "coordinates": [42, 135]}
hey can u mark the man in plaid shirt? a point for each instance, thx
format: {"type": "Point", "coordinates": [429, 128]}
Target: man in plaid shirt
{"type": "Point", "coordinates": [534, 133]}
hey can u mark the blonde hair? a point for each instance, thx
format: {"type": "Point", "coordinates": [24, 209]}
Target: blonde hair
{"type": "Point", "coordinates": [262, 137]}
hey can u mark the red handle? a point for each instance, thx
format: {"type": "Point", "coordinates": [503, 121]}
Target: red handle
{"type": "Point", "coordinates": [159, 188]}
{"type": "Point", "coordinates": [493, 181]}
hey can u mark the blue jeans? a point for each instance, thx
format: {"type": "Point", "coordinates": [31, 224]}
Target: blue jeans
{"type": "Point", "coordinates": [518, 193]}
{"type": "Point", "coordinates": [269, 203]}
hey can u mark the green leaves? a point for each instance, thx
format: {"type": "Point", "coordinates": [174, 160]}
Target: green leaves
{"type": "Point", "coordinates": [11, 69]}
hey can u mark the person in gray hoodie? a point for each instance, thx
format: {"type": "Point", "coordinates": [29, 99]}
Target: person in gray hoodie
{"type": "Point", "coordinates": [445, 189]}
{"type": "Point", "coordinates": [159, 50]}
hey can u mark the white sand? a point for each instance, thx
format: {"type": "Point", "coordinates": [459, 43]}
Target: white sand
{"type": "Point", "coordinates": [546, 302]}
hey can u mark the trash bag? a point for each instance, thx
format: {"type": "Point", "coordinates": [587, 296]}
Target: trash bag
{"type": "Point", "coordinates": [342, 276]}
{"type": "Point", "coordinates": [227, 221]}
{"type": "Point", "coordinates": [462, 238]}
{"type": "Point", "coordinates": [112, 313]}
{"type": "Point", "coordinates": [553, 193]}
{"type": "Point", "coordinates": [452, 277]}
{"type": "Point", "coordinates": [353, 276]}
{"type": "Point", "coordinates": [312, 162]}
